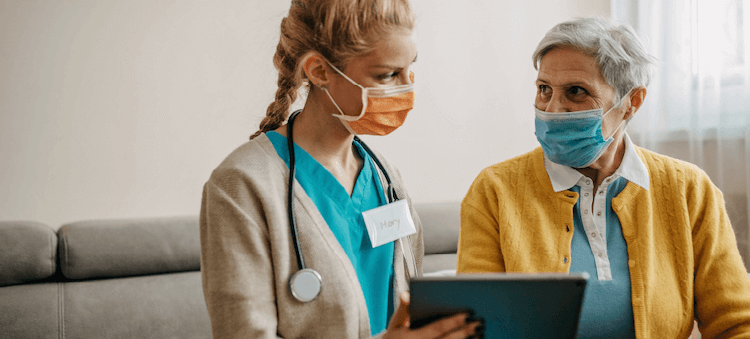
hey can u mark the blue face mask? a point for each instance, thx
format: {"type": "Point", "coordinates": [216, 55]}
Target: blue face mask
{"type": "Point", "coordinates": [573, 138]}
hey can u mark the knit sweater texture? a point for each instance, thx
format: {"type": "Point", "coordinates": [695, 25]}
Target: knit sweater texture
{"type": "Point", "coordinates": [683, 258]}
{"type": "Point", "coordinates": [247, 254]}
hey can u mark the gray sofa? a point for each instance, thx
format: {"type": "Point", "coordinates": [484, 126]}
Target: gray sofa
{"type": "Point", "coordinates": [133, 278]}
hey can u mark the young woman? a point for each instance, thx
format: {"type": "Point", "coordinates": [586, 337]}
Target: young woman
{"type": "Point", "coordinates": [285, 249]}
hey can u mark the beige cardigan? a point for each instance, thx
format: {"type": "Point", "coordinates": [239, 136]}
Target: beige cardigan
{"type": "Point", "coordinates": [247, 255]}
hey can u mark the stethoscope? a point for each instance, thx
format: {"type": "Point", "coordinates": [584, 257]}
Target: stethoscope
{"type": "Point", "coordinates": [306, 283]}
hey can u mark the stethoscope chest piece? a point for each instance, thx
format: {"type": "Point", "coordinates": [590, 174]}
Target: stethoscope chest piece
{"type": "Point", "coordinates": [305, 285]}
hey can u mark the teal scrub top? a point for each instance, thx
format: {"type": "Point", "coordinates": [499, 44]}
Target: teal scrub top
{"type": "Point", "coordinates": [343, 214]}
{"type": "Point", "coordinates": [607, 310]}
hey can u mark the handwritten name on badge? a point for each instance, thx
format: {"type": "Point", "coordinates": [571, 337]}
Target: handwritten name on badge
{"type": "Point", "coordinates": [389, 222]}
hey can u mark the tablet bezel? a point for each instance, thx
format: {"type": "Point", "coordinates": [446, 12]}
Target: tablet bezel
{"type": "Point", "coordinates": [559, 316]}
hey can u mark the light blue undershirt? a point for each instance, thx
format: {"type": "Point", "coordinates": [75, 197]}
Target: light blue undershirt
{"type": "Point", "coordinates": [343, 214]}
{"type": "Point", "coordinates": [607, 310]}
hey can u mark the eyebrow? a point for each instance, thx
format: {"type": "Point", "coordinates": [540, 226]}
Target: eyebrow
{"type": "Point", "coordinates": [567, 84]}
{"type": "Point", "coordinates": [395, 67]}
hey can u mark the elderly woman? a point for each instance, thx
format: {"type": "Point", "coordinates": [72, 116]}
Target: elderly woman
{"type": "Point", "coordinates": [651, 231]}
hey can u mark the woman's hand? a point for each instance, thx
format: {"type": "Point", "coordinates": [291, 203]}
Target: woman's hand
{"type": "Point", "coordinates": [454, 327]}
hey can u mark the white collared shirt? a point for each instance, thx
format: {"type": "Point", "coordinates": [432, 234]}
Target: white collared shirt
{"type": "Point", "coordinates": [593, 207]}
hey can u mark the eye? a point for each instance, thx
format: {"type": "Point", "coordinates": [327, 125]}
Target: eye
{"type": "Point", "coordinates": [388, 76]}
{"type": "Point", "coordinates": [543, 89]}
{"type": "Point", "coordinates": [576, 90]}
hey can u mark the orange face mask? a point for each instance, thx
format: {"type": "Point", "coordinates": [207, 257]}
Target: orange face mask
{"type": "Point", "coordinates": [383, 109]}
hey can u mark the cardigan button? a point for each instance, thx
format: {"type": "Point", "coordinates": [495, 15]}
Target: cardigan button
{"type": "Point", "coordinates": [631, 263]}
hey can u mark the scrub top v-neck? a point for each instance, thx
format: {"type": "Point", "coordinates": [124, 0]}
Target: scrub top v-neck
{"type": "Point", "coordinates": [343, 214]}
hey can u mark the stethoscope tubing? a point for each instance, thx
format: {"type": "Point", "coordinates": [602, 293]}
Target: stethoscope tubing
{"type": "Point", "coordinates": [391, 196]}
{"type": "Point", "coordinates": [290, 195]}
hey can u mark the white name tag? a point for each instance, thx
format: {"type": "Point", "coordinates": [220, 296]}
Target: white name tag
{"type": "Point", "coordinates": [389, 222]}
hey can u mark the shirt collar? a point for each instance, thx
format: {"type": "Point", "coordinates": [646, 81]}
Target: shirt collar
{"type": "Point", "coordinates": [631, 168]}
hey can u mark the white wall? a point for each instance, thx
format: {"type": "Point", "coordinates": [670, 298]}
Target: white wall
{"type": "Point", "coordinates": [117, 109]}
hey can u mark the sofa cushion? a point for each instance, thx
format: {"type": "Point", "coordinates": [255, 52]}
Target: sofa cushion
{"type": "Point", "coordinates": [439, 262]}
{"type": "Point", "coordinates": [28, 252]}
{"type": "Point", "coordinates": [441, 223]}
{"type": "Point", "coordinates": [30, 311]}
{"type": "Point", "coordinates": [148, 307]}
{"type": "Point", "coordinates": [119, 248]}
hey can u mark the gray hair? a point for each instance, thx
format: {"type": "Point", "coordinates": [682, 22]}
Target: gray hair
{"type": "Point", "coordinates": [622, 59]}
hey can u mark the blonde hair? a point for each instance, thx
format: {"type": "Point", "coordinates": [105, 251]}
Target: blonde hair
{"type": "Point", "coordinates": [336, 29]}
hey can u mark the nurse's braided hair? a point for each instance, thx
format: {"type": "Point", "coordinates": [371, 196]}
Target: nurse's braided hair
{"type": "Point", "coordinates": [336, 29]}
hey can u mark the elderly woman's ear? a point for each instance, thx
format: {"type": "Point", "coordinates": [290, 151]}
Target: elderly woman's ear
{"type": "Point", "coordinates": [637, 96]}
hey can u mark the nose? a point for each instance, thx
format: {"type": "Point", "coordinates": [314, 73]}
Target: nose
{"type": "Point", "coordinates": [555, 104]}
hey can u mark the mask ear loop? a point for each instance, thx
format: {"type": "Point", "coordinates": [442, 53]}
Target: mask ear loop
{"type": "Point", "coordinates": [364, 97]}
{"type": "Point", "coordinates": [619, 104]}
{"type": "Point", "coordinates": [609, 139]}
{"type": "Point", "coordinates": [344, 116]}
{"type": "Point", "coordinates": [341, 116]}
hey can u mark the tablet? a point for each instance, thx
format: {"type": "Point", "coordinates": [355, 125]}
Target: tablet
{"type": "Point", "coordinates": [514, 305]}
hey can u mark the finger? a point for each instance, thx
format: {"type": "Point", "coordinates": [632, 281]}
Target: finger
{"type": "Point", "coordinates": [401, 316]}
{"type": "Point", "coordinates": [443, 326]}
{"type": "Point", "coordinates": [474, 330]}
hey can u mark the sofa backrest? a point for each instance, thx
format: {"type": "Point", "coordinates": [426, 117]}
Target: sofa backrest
{"type": "Point", "coordinates": [129, 247]}
{"type": "Point", "coordinates": [28, 252]}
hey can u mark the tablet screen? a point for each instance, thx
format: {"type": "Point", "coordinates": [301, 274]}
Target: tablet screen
{"type": "Point", "coordinates": [514, 305]}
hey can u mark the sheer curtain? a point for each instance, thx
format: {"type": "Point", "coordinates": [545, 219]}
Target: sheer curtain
{"type": "Point", "coordinates": [698, 104]}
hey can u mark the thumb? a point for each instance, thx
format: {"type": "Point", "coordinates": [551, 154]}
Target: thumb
{"type": "Point", "coordinates": [400, 318]}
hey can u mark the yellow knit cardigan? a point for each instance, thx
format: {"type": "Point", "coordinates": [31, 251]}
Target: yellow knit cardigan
{"type": "Point", "coordinates": [683, 257]}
